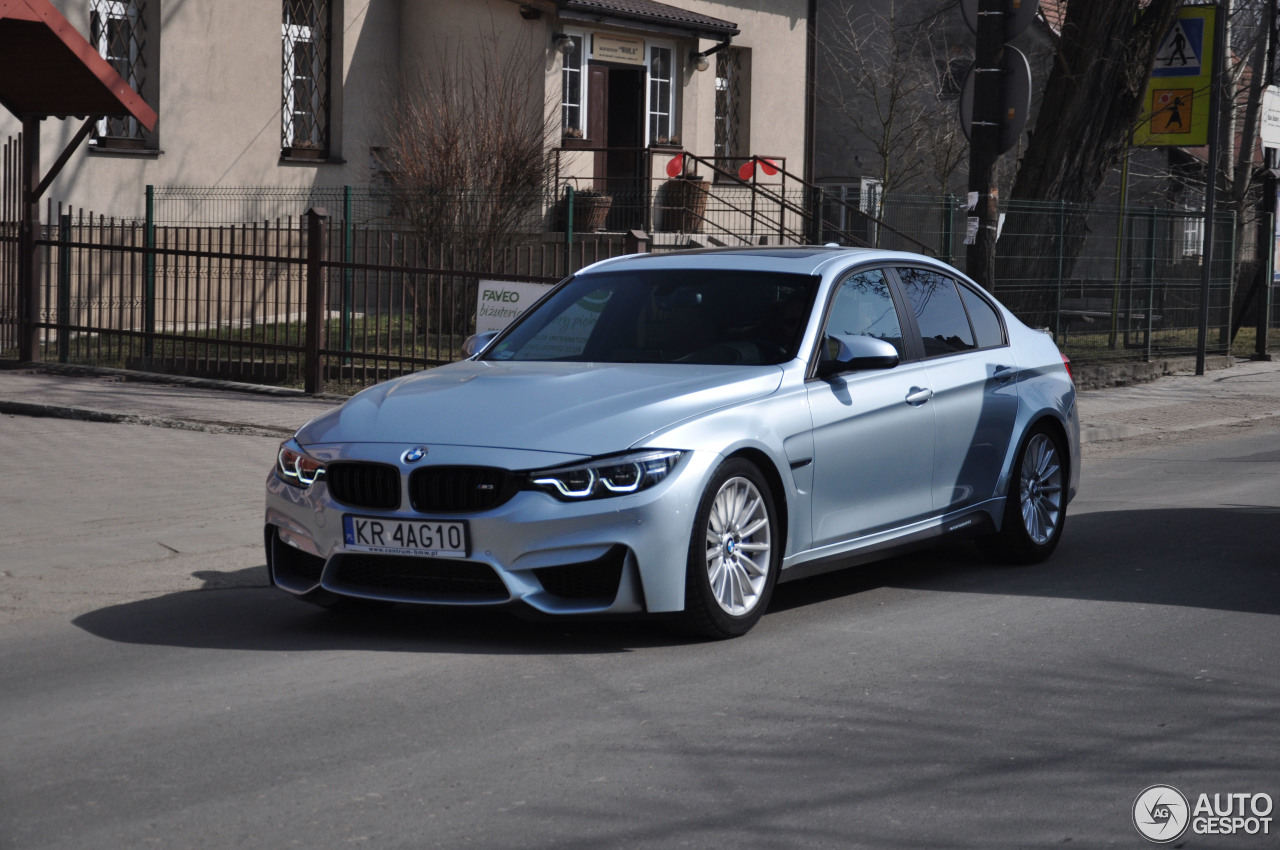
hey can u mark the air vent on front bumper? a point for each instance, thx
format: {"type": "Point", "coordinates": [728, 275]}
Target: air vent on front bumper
{"type": "Point", "coordinates": [460, 489]}
{"type": "Point", "coordinates": [364, 485]}
{"type": "Point", "coordinates": [591, 580]}
{"type": "Point", "coordinates": [419, 579]}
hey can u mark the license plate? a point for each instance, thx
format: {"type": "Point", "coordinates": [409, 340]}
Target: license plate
{"type": "Point", "coordinates": [426, 538]}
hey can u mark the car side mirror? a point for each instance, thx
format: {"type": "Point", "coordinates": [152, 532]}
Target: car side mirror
{"type": "Point", "coordinates": [855, 352]}
{"type": "Point", "coordinates": [477, 343]}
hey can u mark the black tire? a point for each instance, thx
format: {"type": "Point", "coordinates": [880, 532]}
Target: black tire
{"type": "Point", "coordinates": [728, 582]}
{"type": "Point", "coordinates": [1036, 508]}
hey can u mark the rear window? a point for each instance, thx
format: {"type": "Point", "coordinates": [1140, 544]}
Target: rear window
{"type": "Point", "coordinates": [944, 324]}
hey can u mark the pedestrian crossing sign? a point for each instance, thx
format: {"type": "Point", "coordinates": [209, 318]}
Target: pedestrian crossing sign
{"type": "Point", "coordinates": [1181, 50]}
{"type": "Point", "coordinates": [1176, 110]}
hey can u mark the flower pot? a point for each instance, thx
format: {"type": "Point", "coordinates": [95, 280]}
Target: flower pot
{"type": "Point", "coordinates": [589, 211]}
{"type": "Point", "coordinates": [682, 204]}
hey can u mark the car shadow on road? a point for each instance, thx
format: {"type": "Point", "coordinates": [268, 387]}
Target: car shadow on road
{"type": "Point", "coordinates": [1218, 558]}
{"type": "Point", "coordinates": [236, 610]}
{"type": "Point", "coordinates": [1225, 558]}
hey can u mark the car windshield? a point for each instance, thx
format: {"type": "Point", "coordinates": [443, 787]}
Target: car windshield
{"type": "Point", "coordinates": [707, 316]}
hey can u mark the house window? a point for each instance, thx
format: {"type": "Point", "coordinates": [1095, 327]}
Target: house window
{"type": "Point", "coordinates": [305, 105]}
{"type": "Point", "coordinates": [118, 29]}
{"type": "Point", "coordinates": [1191, 233]}
{"type": "Point", "coordinates": [573, 105]}
{"type": "Point", "coordinates": [732, 105]}
{"type": "Point", "coordinates": [662, 105]}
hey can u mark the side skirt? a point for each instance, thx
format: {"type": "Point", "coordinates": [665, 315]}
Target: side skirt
{"type": "Point", "coordinates": [973, 521]}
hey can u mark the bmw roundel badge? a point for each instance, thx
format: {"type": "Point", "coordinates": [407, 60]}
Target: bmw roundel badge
{"type": "Point", "coordinates": [414, 454]}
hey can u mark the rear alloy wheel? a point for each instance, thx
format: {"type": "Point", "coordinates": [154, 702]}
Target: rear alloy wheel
{"type": "Point", "coordinates": [734, 553]}
{"type": "Point", "coordinates": [1036, 508]}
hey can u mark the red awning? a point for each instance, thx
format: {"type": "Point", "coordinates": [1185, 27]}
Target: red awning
{"type": "Point", "coordinates": [48, 69]}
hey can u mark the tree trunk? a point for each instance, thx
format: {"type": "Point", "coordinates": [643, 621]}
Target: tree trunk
{"type": "Point", "coordinates": [1091, 102]}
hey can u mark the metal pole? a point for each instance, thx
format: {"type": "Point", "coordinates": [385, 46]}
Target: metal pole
{"type": "Point", "coordinates": [28, 252]}
{"type": "Point", "coordinates": [64, 287]}
{"type": "Point", "coordinates": [1062, 238]}
{"type": "Point", "coordinates": [568, 229]}
{"type": "Point", "coordinates": [149, 304]}
{"type": "Point", "coordinates": [1263, 307]}
{"type": "Point", "coordinates": [1211, 181]}
{"type": "Point", "coordinates": [348, 287]}
{"type": "Point", "coordinates": [1115, 292]}
{"type": "Point", "coordinates": [312, 367]}
{"type": "Point", "coordinates": [984, 139]}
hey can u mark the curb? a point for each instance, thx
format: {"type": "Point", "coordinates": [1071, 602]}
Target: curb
{"type": "Point", "coordinates": [130, 376]}
{"type": "Point", "coordinates": [53, 411]}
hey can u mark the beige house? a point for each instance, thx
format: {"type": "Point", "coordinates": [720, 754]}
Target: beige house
{"type": "Point", "coordinates": [297, 95]}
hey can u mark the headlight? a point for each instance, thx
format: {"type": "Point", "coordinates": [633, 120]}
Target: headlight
{"type": "Point", "coordinates": [297, 467]}
{"type": "Point", "coordinates": [609, 476]}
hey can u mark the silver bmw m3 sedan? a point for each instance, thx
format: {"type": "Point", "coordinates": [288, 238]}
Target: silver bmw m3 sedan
{"type": "Point", "coordinates": [674, 434]}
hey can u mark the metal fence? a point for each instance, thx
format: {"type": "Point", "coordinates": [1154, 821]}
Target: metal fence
{"type": "Point", "coordinates": [189, 289]}
{"type": "Point", "coordinates": [237, 302]}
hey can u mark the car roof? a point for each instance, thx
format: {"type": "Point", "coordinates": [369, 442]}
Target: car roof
{"type": "Point", "coordinates": [798, 259]}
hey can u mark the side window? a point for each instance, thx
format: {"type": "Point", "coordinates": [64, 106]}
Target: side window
{"type": "Point", "coordinates": [662, 87]}
{"type": "Point", "coordinates": [864, 306]}
{"type": "Point", "coordinates": [733, 108]}
{"type": "Point", "coordinates": [944, 325]}
{"type": "Point", "coordinates": [121, 32]}
{"type": "Point", "coordinates": [986, 324]}
{"type": "Point", "coordinates": [304, 110]}
{"type": "Point", "coordinates": [573, 111]}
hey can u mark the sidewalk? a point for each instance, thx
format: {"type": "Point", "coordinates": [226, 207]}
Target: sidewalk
{"type": "Point", "coordinates": [1176, 403]}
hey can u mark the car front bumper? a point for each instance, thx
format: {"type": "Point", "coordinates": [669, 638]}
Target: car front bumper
{"type": "Point", "coordinates": [616, 555]}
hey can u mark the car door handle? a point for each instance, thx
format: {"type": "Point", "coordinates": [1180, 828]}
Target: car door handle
{"type": "Point", "coordinates": [1005, 374]}
{"type": "Point", "coordinates": [918, 396]}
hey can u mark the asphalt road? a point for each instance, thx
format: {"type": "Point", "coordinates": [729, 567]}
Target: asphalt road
{"type": "Point", "coordinates": [153, 691]}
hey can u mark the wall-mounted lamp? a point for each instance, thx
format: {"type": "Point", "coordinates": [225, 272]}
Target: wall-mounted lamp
{"type": "Point", "coordinates": [563, 43]}
{"type": "Point", "coordinates": [699, 60]}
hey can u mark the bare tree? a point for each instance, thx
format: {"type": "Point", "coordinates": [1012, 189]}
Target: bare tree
{"type": "Point", "coordinates": [1090, 104]}
{"type": "Point", "coordinates": [467, 147]}
{"type": "Point", "coordinates": [468, 160]}
{"type": "Point", "coordinates": [881, 86]}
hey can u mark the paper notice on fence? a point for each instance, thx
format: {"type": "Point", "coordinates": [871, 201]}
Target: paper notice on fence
{"type": "Point", "coordinates": [971, 230]}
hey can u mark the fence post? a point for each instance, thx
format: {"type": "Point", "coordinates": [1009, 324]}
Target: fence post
{"type": "Point", "coordinates": [348, 289]}
{"type": "Point", "coordinates": [1062, 249]}
{"type": "Point", "coordinates": [568, 229]}
{"type": "Point", "coordinates": [819, 202]}
{"type": "Point", "coordinates": [64, 287]}
{"type": "Point", "coordinates": [149, 303]}
{"type": "Point", "coordinates": [948, 228]}
{"type": "Point", "coordinates": [635, 242]}
{"type": "Point", "coordinates": [312, 366]}
{"type": "Point", "coordinates": [28, 252]}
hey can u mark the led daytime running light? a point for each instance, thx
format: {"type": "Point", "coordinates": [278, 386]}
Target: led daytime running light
{"type": "Point", "coordinates": [607, 476]}
{"type": "Point", "coordinates": [297, 467]}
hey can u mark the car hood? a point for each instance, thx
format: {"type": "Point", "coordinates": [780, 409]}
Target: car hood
{"type": "Point", "coordinates": [576, 408]}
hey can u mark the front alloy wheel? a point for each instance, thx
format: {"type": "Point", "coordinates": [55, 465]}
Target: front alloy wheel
{"type": "Point", "coordinates": [733, 556]}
